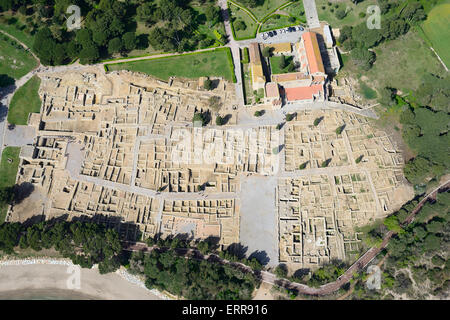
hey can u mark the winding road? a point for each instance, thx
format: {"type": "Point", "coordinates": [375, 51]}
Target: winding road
{"type": "Point", "coordinates": [272, 279]}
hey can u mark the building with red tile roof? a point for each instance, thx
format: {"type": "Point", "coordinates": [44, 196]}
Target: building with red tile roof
{"type": "Point", "coordinates": [305, 94]}
{"type": "Point", "coordinates": [311, 45]}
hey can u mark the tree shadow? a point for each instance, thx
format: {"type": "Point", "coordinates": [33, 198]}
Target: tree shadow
{"type": "Point", "coordinates": [22, 191]}
{"type": "Point", "coordinates": [261, 256]}
{"type": "Point", "coordinates": [237, 250]}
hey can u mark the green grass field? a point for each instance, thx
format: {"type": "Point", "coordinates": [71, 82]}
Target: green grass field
{"type": "Point", "coordinates": [263, 10]}
{"type": "Point", "coordinates": [276, 23]}
{"type": "Point", "coordinates": [210, 63]}
{"type": "Point", "coordinates": [328, 13]}
{"type": "Point", "coordinates": [25, 100]}
{"type": "Point", "coordinates": [296, 10]}
{"type": "Point", "coordinates": [15, 26]}
{"type": "Point", "coordinates": [15, 61]}
{"type": "Point", "coordinates": [437, 30]}
{"type": "Point", "coordinates": [275, 64]}
{"type": "Point", "coordinates": [241, 15]}
{"type": "Point", "coordinates": [366, 91]}
{"type": "Point", "coordinates": [400, 64]}
{"type": "Point", "coordinates": [8, 172]}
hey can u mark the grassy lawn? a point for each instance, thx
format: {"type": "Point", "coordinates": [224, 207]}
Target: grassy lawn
{"type": "Point", "coordinates": [400, 64]}
{"type": "Point", "coordinates": [366, 91]}
{"type": "Point", "coordinates": [263, 10]}
{"type": "Point", "coordinates": [241, 15]}
{"type": "Point", "coordinates": [275, 64]}
{"type": "Point", "coordinates": [8, 172]}
{"type": "Point", "coordinates": [15, 26]}
{"type": "Point", "coordinates": [14, 60]}
{"type": "Point", "coordinates": [296, 10]}
{"type": "Point", "coordinates": [437, 30]}
{"type": "Point", "coordinates": [211, 63]}
{"type": "Point", "coordinates": [277, 22]}
{"type": "Point", "coordinates": [328, 13]}
{"type": "Point", "coordinates": [25, 100]}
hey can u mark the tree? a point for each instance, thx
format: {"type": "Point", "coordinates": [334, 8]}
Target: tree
{"type": "Point", "coordinates": [215, 103]}
{"type": "Point", "coordinates": [114, 45]}
{"type": "Point", "coordinates": [340, 13]}
{"type": "Point", "coordinates": [386, 96]}
{"type": "Point", "coordinates": [89, 53]}
{"type": "Point", "coordinates": [283, 62]}
{"type": "Point", "coordinates": [240, 25]}
{"type": "Point", "coordinates": [340, 129]}
{"type": "Point", "coordinates": [208, 84]}
{"type": "Point", "coordinates": [144, 12]}
{"type": "Point", "coordinates": [413, 12]}
{"type": "Point", "coordinates": [212, 14]}
{"type": "Point", "coordinates": [199, 118]}
{"type": "Point", "coordinates": [363, 57]}
{"type": "Point", "coordinates": [317, 121]}
{"type": "Point", "coordinates": [129, 41]}
{"type": "Point", "coordinates": [220, 121]}
{"type": "Point", "coordinates": [367, 37]}
{"type": "Point", "coordinates": [393, 224]}
{"type": "Point", "coordinates": [290, 116]}
{"type": "Point", "coordinates": [281, 271]}
{"type": "Point", "coordinates": [431, 243]}
{"type": "Point", "coordinates": [267, 52]}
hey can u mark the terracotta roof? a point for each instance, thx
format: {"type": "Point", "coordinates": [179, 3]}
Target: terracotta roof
{"type": "Point", "coordinates": [272, 90]}
{"type": "Point", "coordinates": [253, 51]}
{"type": "Point", "coordinates": [302, 93]}
{"type": "Point", "coordinates": [312, 52]}
{"type": "Point", "coordinates": [288, 77]}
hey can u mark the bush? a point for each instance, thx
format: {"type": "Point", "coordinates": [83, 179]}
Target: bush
{"type": "Point", "coordinates": [340, 14]}
{"type": "Point", "coordinates": [290, 116]}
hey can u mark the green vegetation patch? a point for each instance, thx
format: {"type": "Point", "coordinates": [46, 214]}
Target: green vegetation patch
{"type": "Point", "coordinates": [275, 64]}
{"type": "Point", "coordinates": [437, 30]}
{"type": "Point", "coordinates": [408, 57]}
{"type": "Point", "coordinates": [204, 64]}
{"type": "Point", "coordinates": [277, 22]}
{"type": "Point", "coordinates": [26, 100]}
{"type": "Point", "coordinates": [15, 61]}
{"type": "Point", "coordinates": [15, 26]}
{"type": "Point", "coordinates": [328, 13]}
{"type": "Point", "coordinates": [244, 27]}
{"type": "Point", "coordinates": [367, 92]}
{"type": "Point", "coordinates": [267, 7]}
{"type": "Point", "coordinates": [8, 170]}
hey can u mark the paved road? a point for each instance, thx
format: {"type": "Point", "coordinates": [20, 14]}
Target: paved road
{"type": "Point", "coordinates": [311, 13]}
{"type": "Point", "coordinates": [235, 51]}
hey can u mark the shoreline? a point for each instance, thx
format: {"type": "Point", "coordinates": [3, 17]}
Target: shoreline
{"type": "Point", "coordinates": [46, 278]}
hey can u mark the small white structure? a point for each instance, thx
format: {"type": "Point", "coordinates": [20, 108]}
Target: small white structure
{"type": "Point", "coordinates": [328, 36]}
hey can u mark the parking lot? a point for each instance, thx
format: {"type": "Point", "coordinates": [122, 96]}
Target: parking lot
{"type": "Point", "coordinates": [281, 35]}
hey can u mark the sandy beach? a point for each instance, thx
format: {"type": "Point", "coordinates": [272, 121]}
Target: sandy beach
{"type": "Point", "coordinates": [44, 281]}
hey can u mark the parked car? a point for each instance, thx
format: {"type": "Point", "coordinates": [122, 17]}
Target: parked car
{"type": "Point", "coordinates": [274, 33]}
{"type": "Point", "coordinates": [270, 34]}
{"type": "Point", "coordinates": [291, 29]}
